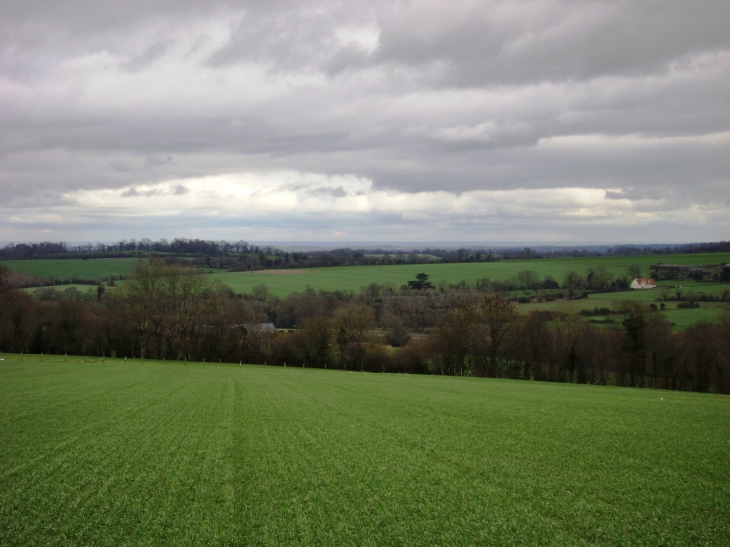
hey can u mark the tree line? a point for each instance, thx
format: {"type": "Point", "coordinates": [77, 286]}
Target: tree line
{"type": "Point", "coordinates": [172, 311]}
{"type": "Point", "coordinates": [226, 253]}
{"type": "Point", "coordinates": [120, 249]}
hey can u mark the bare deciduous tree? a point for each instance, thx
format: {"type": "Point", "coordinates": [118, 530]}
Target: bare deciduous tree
{"type": "Point", "coordinates": [352, 323]}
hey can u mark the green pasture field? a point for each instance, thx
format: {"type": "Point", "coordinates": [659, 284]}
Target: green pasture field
{"type": "Point", "coordinates": [668, 287]}
{"type": "Point", "coordinates": [682, 318]}
{"type": "Point", "coordinates": [150, 453]}
{"type": "Point", "coordinates": [94, 269]}
{"type": "Point", "coordinates": [284, 282]}
{"type": "Point", "coordinates": [62, 288]}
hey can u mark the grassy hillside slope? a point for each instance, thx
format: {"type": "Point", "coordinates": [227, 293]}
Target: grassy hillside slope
{"type": "Point", "coordinates": [165, 454]}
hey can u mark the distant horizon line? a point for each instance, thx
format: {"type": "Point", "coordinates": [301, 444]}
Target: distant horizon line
{"type": "Point", "coordinates": [395, 245]}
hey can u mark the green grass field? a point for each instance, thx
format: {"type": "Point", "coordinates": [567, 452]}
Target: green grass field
{"type": "Point", "coordinates": [685, 318]}
{"type": "Point", "coordinates": [62, 288]}
{"type": "Point", "coordinates": [680, 318]}
{"type": "Point", "coordinates": [670, 287]}
{"type": "Point", "coordinates": [164, 454]}
{"type": "Point", "coordinates": [94, 269]}
{"type": "Point", "coordinates": [283, 282]}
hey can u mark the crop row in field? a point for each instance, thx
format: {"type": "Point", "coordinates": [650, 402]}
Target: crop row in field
{"type": "Point", "coordinates": [164, 454]}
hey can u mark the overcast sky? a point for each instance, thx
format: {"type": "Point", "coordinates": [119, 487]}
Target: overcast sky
{"type": "Point", "coordinates": [494, 122]}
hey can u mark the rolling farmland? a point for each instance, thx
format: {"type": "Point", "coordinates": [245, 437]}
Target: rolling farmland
{"type": "Point", "coordinates": [93, 269]}
{"type": "Point", "coordinates": [283, 282]}
{"type": "Point", "coordinates": [152, 453]}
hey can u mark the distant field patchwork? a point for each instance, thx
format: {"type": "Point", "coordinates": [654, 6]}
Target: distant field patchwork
{"type": "Point", "coordinates": [93, 269]}
{"type": "Point", "coordinates": [354, 277]}
{"type": "Point", "coordinates": [283, 282]}
{"type": "Point", "coordinates": [164, 454]}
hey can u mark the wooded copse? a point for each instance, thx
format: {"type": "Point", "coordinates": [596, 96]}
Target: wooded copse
{"type": "Point", "coordinates": [173, 311]}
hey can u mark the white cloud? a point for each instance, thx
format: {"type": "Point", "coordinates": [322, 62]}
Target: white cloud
{"type": "Point", "coordinates": [273, 194]}
{"type": "Point", "coordinates": [425, 117]}
{"type": "Point", "coordinates": [365, 38]}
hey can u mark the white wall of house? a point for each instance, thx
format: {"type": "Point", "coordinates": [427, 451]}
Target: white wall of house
{"type": "Point", "coordinates": [643, 283]}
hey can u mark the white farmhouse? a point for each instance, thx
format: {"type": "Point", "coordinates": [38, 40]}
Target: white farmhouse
{"type": "Point", "coordinates": [643, 283]}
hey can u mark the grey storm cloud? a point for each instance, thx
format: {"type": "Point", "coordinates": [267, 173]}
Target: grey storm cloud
{"type": "Point", "coordinates": [467, 114]}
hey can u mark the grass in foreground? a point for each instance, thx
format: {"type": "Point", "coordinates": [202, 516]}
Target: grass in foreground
{"type": "Point", "coordinates": [165, 454]}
